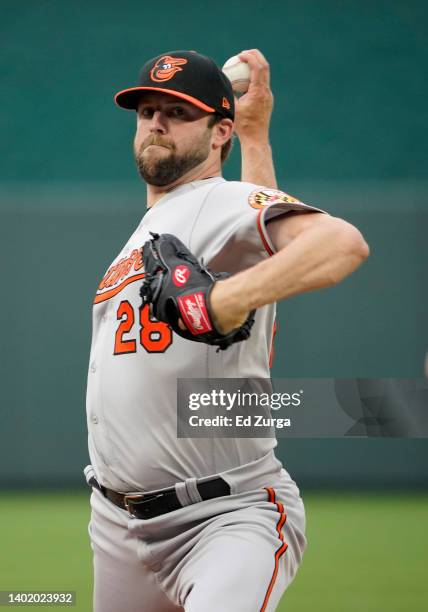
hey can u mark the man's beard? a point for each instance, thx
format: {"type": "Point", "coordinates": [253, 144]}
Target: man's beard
{"type": "Point", "coordinates": [166, 170]}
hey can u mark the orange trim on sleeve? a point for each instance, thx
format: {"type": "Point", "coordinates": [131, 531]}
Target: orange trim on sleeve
{"type": "Point", "coordinates": [281, 550]}
{"type": "Point", "coordinates": [102, 297]}
{"type": "Point", "coordinates": [262, 236]}
{"type": "Point", "coordinates": [272, 348]}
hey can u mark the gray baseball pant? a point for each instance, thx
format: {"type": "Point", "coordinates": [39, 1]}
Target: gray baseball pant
{"type": "Point", "coordinates": [236, 553]}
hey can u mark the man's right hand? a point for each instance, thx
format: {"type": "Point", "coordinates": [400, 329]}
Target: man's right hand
{"type": "Point", "coordinates": [253, 109]}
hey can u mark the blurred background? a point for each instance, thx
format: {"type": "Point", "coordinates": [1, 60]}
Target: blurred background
{"type": "Point", "coordinates": [349, 134]}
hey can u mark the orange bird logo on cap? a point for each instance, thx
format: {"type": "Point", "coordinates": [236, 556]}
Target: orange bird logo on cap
{"type": "Point", "coordinates": [166, 67]}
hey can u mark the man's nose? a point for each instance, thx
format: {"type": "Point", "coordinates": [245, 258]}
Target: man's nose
{"type": "Point", "coordinates": [157, 123]}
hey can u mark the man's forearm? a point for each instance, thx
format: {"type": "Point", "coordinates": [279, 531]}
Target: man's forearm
{"type": "Point", "coordinates": [321, 256]}
{"type": "Point", "coordinates": [257, 164]}
{"type": "Point", "coordinates": [252, 120]}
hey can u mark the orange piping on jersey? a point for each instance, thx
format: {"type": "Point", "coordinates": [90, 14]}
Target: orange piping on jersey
{"type": "Point", "coordinates": [262, 236]}
{"type": "Point", "coordinates": [272, 351]}
{"type": "Point", "coordinates": [281, 550]}
{"type": "Point", "coordinates": [177, 94]}
{"type": "Point", "coordinates": [102, 297]}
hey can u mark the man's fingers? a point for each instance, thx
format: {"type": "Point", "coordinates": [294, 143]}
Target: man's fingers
{"type": "Point", "coordinates": [259, 56]}
{"type": "Point", "coordinates": [259, 67]}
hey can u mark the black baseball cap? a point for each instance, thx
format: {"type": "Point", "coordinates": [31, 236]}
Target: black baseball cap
{"type": "Point", "coordinates": [187, 75]}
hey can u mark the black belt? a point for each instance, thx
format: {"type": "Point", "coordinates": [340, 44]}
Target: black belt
{"type": "Point", "coordinates": [149, 505]}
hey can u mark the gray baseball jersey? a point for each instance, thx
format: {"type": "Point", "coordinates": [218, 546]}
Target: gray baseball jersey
{"type": "Point", "coordinates": [136, 361]}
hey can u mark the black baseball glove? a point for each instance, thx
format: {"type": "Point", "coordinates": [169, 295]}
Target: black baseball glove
{"type": "Point", "coordinates": [177, 287]}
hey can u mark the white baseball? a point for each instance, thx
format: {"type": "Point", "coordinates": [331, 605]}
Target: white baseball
{"type": "Point", "coordinates": [238, 73]}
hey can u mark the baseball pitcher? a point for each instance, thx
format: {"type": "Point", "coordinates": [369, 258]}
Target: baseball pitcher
{"type": "Point", "coordinates": [198, 524]}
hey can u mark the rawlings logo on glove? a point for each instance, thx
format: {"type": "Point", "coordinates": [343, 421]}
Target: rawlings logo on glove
{"type": "Point", "coordinates": [178, 288]}
{"type": "Point", "coordinates": [194, 313]}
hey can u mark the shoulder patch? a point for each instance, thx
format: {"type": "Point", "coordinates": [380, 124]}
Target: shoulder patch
{"type": "Point", "coordinates": [260, 198]}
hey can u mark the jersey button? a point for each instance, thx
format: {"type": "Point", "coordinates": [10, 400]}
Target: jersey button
{"type": "Point", "coordinates": [93, 367]}
{"type": "Point", "coordinates": [94, 419]}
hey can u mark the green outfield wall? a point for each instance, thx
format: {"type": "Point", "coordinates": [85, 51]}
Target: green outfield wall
{"type": "Point", "coordinates": [348, 134]}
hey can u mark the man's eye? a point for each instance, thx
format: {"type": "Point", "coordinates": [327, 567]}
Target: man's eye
{"type": "Point", "coordinates": [146, 112]}
{"type": "Point", "coordinates": [177, 111]}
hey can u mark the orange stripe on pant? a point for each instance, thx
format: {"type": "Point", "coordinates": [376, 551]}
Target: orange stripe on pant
{"type": "Point", "coordinates": [281, 550]}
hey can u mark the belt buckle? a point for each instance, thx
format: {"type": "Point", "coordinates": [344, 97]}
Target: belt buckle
{"type": "Point", "coordinates": [131, 497]}
{"type": "Point", "coordinates": [141, 510]}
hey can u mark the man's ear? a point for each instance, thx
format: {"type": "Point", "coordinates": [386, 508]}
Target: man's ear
{"type": "Point", "coordinates": [222, 132]}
